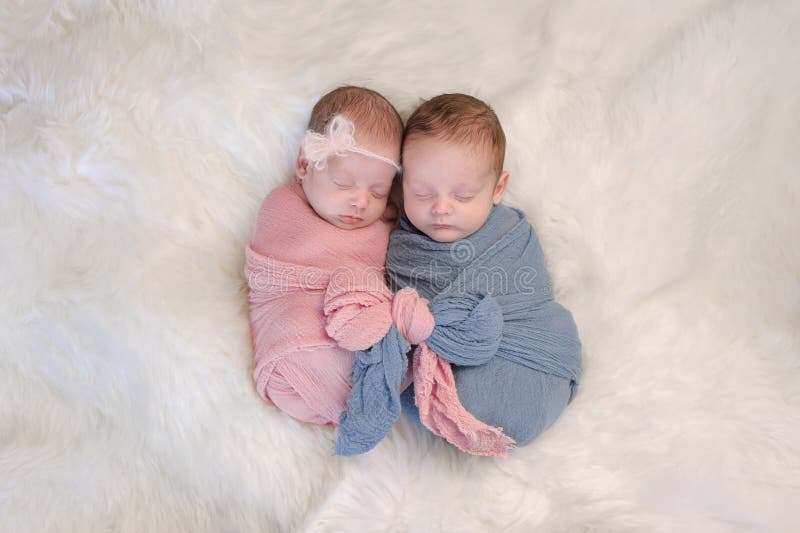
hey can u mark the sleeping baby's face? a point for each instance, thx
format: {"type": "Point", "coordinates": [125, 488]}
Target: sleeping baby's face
{"type": "Point", "coordinates": [449, 188]}
{"type": "Point", "coordinates": [351, 191]}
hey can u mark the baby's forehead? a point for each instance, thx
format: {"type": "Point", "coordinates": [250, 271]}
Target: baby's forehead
{"type": "Point", "coordinates": [359, 168]}
{"type": "Point", "coordinates": [461, 157]}
{"type": "Point", "coordinates": [472, 147]}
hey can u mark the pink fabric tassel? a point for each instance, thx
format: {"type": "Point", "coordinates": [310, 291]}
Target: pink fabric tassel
{"type": "Point", "coordinates": [441, 411]}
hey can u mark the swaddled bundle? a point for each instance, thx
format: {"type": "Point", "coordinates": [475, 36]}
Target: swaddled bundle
{"type": "Point", "coordinates": [515, 352]}
{"type": "Point", "coordinates": [317, 293]}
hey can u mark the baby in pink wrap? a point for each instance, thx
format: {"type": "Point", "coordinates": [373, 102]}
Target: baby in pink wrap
{"type": "Point", "coordinates": [315, 262]}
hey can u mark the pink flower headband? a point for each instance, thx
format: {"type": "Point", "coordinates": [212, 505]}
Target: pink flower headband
{"type": "Point", "coordinates": [338, 140]}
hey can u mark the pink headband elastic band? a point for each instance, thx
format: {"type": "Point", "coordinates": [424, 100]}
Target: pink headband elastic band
{"type": "Point", "coordinates": [338, 140]}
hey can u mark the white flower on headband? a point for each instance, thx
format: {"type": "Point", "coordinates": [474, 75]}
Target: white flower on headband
{"type": "Point", "coordinates": [338, 140]}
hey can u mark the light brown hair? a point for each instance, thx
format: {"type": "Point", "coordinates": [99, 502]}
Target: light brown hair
{"type": "Point", "coordinates": [462, 119]}
{"type": "Point", "coordinates": [372, 114]}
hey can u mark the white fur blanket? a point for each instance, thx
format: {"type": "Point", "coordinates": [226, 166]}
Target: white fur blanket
{"type": "Point", "coordinates": [654, 146]}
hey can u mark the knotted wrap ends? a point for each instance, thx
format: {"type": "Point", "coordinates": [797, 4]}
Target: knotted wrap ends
{"type": "Point", "coordinates": [472, 326]}
{"type": "Point", "coordinates": [374, 402]}
{"type": "Point", "coordinates": [357, 307]}
{"type": "Point", "coordinates": [469, 329]}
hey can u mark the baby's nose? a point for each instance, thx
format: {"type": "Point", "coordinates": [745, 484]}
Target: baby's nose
{"type": "Point", "coordinates": [441, 207]}
{"type": "Point", "coordinates": [360, 199]}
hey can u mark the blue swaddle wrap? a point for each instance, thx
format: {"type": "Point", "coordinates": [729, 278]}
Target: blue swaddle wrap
{"type": "Point", "coordinates": [374, 402]}
{"type": "Point", "coordinates": [515, 351]}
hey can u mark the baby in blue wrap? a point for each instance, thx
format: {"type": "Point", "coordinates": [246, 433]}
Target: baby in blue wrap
{"type": "Point", "coordinates": [455, 240]}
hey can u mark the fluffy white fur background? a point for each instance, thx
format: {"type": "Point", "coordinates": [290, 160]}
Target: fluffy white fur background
{"type": "Point", "coordinates": [653, 144]}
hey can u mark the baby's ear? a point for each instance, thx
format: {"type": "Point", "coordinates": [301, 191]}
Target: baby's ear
{"type": "Point", "coordinates": [301, 165]}
{"type": "Point", "coordinates": [500, 188]}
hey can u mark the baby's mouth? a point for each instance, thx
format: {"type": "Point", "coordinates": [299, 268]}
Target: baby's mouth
{"type": "Point", "coordinates": [350, 219]}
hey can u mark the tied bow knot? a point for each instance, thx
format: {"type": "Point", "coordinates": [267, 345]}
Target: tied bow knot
{"type": "Point", "coordinates": [357, 308]}
{"type": "Point", "coordinates": [337, 140]}
{"type": "Point", "coordinates": [412, 315]}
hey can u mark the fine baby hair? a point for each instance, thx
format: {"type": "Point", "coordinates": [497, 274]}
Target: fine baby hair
{"type": "Point", "coordinates": [461, 119]}
{"type": "Point", "coordinates": [372, 120]}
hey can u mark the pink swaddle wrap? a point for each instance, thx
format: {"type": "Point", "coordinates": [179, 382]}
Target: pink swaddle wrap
{"type": "Point", "coordinates": [316, 294]}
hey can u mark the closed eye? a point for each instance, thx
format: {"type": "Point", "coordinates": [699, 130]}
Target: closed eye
{"type": "Point", "coordinates": [464, 197]}
{"type": "Point", "coordinates": [379, 195]}
{"type": "Point", "coordinates": [422, 196]}
{"type": "Point", "coordinates": [342, 184]}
